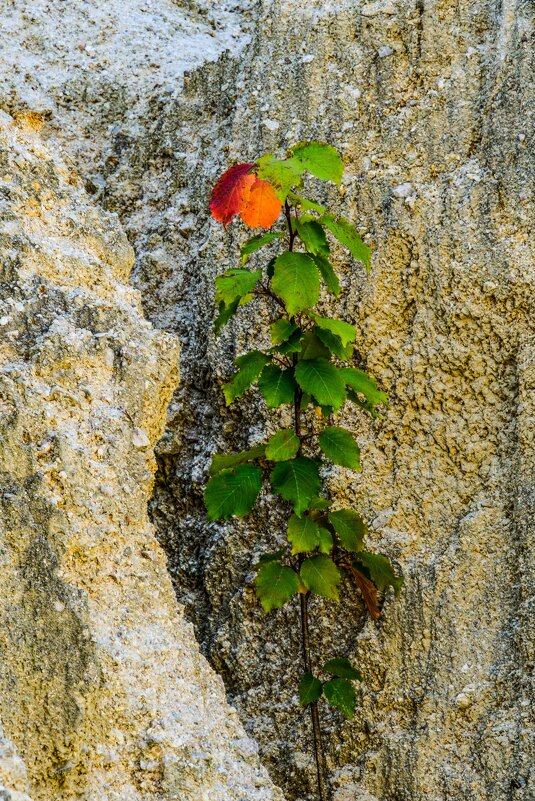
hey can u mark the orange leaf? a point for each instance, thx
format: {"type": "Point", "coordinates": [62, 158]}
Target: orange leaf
{"type": "Point", "coordinates": [262, 206]}
{"type": "Point", "coordinates": [230, 192]}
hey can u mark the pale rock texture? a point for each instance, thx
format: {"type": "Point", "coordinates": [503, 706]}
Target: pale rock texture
{"type": "Point", "coordinates": [431, 104]}
{"type": "Point", "coordinates": [103, 692]}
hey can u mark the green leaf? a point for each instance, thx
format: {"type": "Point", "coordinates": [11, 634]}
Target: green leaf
{"type": "Point", "coordinates": [379, 569]}
{"type": "Point", "coordinates": [341, 667]}
{"type": "Point", "coordinates": [344, 331]}
{"type": "Point", "coordinates": [320, 159]}
{"type": "Point", "coordinates": [275, 584]}
{"type": "Point", "coordinates": [305, 204]}
{"type": "Point", "coordinates": [251, 365]}
{"type": "Point", "coordinates": [313, 237]}
{"type": "Point", "coordinates": [364, 384]}
{"type": "Point", "coordinates": [349, 237]}
{"type": "Point", "coordinates": [281, 330]}
{"type": "Point", "coordinates": [340, 693]}
{"type": "Point", "coordinates": [225, 313]}
{"type": "Point", "coordinates": [330, 279]}
{"type": "Point", "coordinates": [303, 533]}
{"type": "Point", "coordinates": [350, 527]}
{"type": "Point", "coordinates": [320, 575]}
{"type": "Point", "coordinates": [326, 540]}
{"type": "Point", "coordinates": [296, 281]}
{"type": "Point", "coordinates": [297, 481]}
{"type": "Point", "coordinates": [320, 503]}
{"type": "Point", "coordinates": [257, 242]}
{"type": "Point", "coordinates": [222, 461]}
{"type": "Point", "coordinates": [282, 174]}
{"type": "Point", "coordinates": [310, 689]}
{"type": "Point", "coordinates": [322, 380]}
{"type": "Point", "coordinates": [270, 268]}
{"type": "Point", "coordinates": [235, 284]}
{"type": "Point", "coordinates": [233, 492]}
{"type": "Point", "coordinates": [292, 346]}
{"type": "Point", "coordinates": [340, 447]}
{"type": "Point", "coordinates": [274, 556]}
{"type": "Point", "coordinates": [283, 445]}
{"type": "Point", "coordinates": [277, 386]}
{"type": "Point", "coordinates": [334, 344]}
{"type": "Point", "coordinates": [312, 347]}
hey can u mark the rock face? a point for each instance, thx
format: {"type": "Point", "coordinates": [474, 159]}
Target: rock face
{"type": "Point", "coordinates": [429, 103]}
{"type": "Point", "coordinates": [103, 691]}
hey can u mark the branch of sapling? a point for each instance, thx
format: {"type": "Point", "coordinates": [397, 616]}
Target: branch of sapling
{"type": "Point", "coordinates": [304, 373]}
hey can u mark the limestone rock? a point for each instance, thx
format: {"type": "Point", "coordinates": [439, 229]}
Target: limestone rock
{"type": "Point", "coordinates": [429, 103]}
{"type": "Point", "coordinates": [102, 689]}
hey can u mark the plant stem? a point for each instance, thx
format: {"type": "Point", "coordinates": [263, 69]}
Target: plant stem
{"type": "Point", "coordinates": [319, 754]}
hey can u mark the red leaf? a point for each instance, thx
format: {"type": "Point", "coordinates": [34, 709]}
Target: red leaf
{"type": "Point", "coordinates": [230, 191]}
{"type": "Point", "coordinates": [261, 206]}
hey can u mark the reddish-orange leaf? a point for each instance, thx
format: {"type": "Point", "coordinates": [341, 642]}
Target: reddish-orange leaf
{"type": "Point", "coordinates": [262, 206]}
{"type": "Point", "coordinates": [230, 192]}
{"type": "Point", "coordinates": [369, 593]}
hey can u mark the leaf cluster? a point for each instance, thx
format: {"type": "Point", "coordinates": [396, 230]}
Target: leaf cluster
{"type": "Point", "coordinates": [309, 367]}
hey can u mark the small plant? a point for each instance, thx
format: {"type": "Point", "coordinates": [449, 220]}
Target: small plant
{"type": "Point", "coordinates": [307, 368]}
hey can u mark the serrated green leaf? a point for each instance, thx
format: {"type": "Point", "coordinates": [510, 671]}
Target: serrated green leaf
{"type": "Point", "coordinates": [326, 540]}
{"type": "Point", "coordinates": [250, 367]}
{"type": "Point", "coordinates": [222, 461]}
{"type": "Point", "coordinates": [297, 481]}
{"type": "Point", "coordinates": [322, 380]}
{"type": "Point", "coordinates": [305, 204]}
{"type": "Point", "coordinates": [320, 575]}
{"type": "Point", "coordinates": [310, 689]}
{"type": "Point", "coordinates": [320, 159]}
{"type": "Point", "coordinates": [379, 569]}
{"type": "Point", "coordinates": [233, 492]}
{"type": "Point", "coordinates": [303, 534]}
{"type": "Point", "coordinates": [340, 447]}
{"type": "Point", "coordinates": [350, 527]}
{"type": "Point", "coordinates": [281, 330]}
{"type": "Point", "coordinates": [225, 313]}
{"type": "Point", "coordinates": [283, 445]}
{"type": "Point", "coordinates": [313, 237]}
{"type": "Point", "coordinates": [296, 281]}
{"type": "Point", "coordinates": [282, 174]}
{"type": "Point", "coordinates": [341, 667]}
{"type": "Point", "coordinates": [320, 503]}
{"type": "Point", "coordinates": [275, 584]}
{"type": "Point", "coordinates": [364, 384]}
{"type": "Point", "coordinates": [277, 386]}
{"type": "Point", "coordinates": [340, 693]}
{"type": "Point", "coordinates": [349, 237]}
{"type": "Point", "coordinates": [293, 345]}
{"type": "Point", "coordinates": [235, 284]}
{"type": "Point", "coordinates": [344, 331]}
{"type": "Point", "coordinates": [274, 556]}
{"type": "Point", "coordinates": [312, 347]}
{"type": "Point", "coordinates": [256, 242]}
{"type": "Point", "coordinates": [334, 344]}
{"type": "Point", "coordinates": [330, 279]}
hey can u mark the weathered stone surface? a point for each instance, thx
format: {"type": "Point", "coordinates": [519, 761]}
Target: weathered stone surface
{"type": "Point", "coordinates": [103, 691]}
{"type": "Point", "coordinates": [429, 103]}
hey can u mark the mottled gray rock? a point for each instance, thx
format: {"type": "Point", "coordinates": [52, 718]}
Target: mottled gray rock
{"type": "Point", "coordinates": [430, 103]}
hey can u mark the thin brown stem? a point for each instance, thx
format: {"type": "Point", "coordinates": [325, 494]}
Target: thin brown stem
{"type": "Point", "coordinates": [319, 755]}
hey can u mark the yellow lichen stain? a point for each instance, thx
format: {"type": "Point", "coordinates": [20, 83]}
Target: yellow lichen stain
{"type": "Point", "coordinates": [30, 120]}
